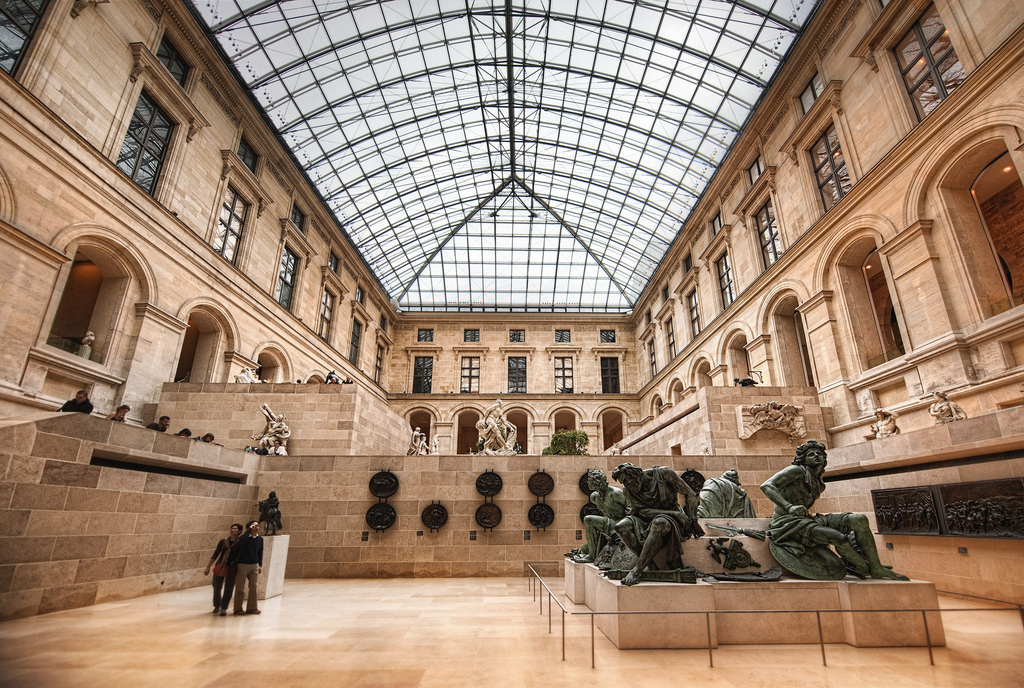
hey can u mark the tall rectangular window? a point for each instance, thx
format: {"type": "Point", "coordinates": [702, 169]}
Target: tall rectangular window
{"type": "Point", "coordinates": [811, 93]}
{"type": "Point", "coordinates": [756, 170]}
{"type": "Point", "coordinates": [247, 154]}
{"type": "Point", "coordinates": [360, 296]}
{"type": "Point", "coordinates": [471, 335]}
{"type": "Point", "coordinates": [422, 374]}
{"type": "Point", "coordinates": [653, 356]}
{"type": "Point", "coordinates": [18, 21]}
{"type": "Point", "coordinates": [323, 329]}
{"type": "Point", "coordinates": [470, 375]}
{"type": "Point", "coordinates": [425, 335]}
{"type": "Point", "coordinates": [768, 235]}
{"type": "Point", "coordinates": [928, 63]}
{"type": "Point", "coordinates": [517, 336]}
{"type": "Point", "coordinates": [286, 278]}
{"type": "Point", "coordinates": [687, 262]}
{"type": "Point", "coordinates": [172, 59]}
{"type": "Point", "coordinates": [562, 336]}
{"type": "Point", "coordinates": [725, 285]}
{"type": "Point", "coordinates": [353, 349]}
{"type": "Point", "coordinates": [716, 223]}
{"type": "Point", "coordinates": [607, 336]}
{"type": "Point", "coordinates": [693, 309]}
{"type": "Point", "coordinates": [664, 292]}
{"type": "Point", "coordinates": [145, 144]}
{"type": "Point", "coordinates": [609, 375]}
{"type": "Point", "coordinates": [517, 374]}
{"type": "Point", "coordinates": [670, 335]}
{"type": "Point", "coordinates": [378, 368]}
{"type": "Point", "coordinates": [332, 261]}
{"type": "Point", "coordinates": [563, 374]}
{"type": "Point", "coordinates": [384, 324]}
{"type": "Point", "coordinates": [830, 168]}
{"type": "Point", "coordinates": [230, 225]}
{"type": "Point", "coordinates": [298, 217]}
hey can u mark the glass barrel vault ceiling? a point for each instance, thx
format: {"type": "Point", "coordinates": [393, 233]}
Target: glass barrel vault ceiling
{"type": "Point", "coordinates": [527, 155]}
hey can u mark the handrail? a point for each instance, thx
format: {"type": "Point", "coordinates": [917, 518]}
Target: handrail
{"type": "Point", "coordinates": [707, 615]}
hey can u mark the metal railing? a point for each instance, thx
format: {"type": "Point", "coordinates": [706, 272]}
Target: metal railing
{"type": "Point", "coordinates": [534, 578]}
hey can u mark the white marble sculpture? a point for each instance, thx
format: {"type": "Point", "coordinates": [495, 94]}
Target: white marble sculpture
{"type": "Point", "coordinates": [418, 444]}
{"type": "Point", "coordinates": [498, 435]}
{"type": "Point", "coordinates": [433, 446]}
{"type": "Point", "coordinates": [885, 425]}
{"type": "Point", "coordinates": [945, 411]}
{"type": "Point", "coordinates": [617, 450]}
{"type": "Point", "coordinates": [276, 429]}
{"type": "Point", "coordinates": [85, 350]}
{"type": "Point", "coordinates": [247, 375]}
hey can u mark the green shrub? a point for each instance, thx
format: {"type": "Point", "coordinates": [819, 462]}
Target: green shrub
{"type": "Point", "coordinates": [568, 443]}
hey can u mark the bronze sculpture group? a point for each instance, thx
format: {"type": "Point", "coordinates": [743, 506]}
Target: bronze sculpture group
{"type": "Point", "coordinates": [647, 517]}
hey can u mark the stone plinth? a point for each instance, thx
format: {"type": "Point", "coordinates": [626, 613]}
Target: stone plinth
{"type": "Point", "coordinates": [275, 560]}
{"type": "Point", "coordinates": [655, 631]}
{"type": "Point", "coordinates": [575, 582]}
{"type": "Point", "coordinates": [591, 574]}
{"type": "Point", "coordinates": [839, 624]}
{"type": "Point", "coordinates": [696, 554]}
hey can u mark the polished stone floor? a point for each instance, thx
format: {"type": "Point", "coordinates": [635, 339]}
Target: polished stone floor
{"type": "Point", "coordinates": [446, 632]}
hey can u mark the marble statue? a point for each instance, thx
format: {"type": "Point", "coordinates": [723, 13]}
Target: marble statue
{"type": "Point", "coordinates": [85, 349]}
{"type": "Point", "coordinates": [705, 450]}
{"type": "Point", "coordinates": [612, 504]}
{"type": "Point", "coordinates": [724, 498]}
{"type": "Point", "coordinates": [276, 429]}
{"type": "Point", "coordinates": [945, 411]}
{"type": "Point", "coordinates": [433, 446]}
{"type": "Point", "coordinates": [247, 375]}
{"type": "Point", "coordinates": [418, 444]}
{"type": "Point", "coordinates": [654, 519]}
{"type": "Point", "coordinates": [270, 513]}
{"type": "Point", "coordinates": [775, 415]}
{"type": "Point", "coordinates": [617, 450]}
{"type": "Point", "coordinates": [801, 542]}
{"type": "Point", "coordinates": [885, 424]}
{"type": "Point", "coordinates": [497, 435]}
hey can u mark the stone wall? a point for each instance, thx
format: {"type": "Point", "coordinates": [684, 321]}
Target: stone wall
{"type": "Point", "coordinates": [324, 419]}
{"type": "Point", "coordinates": [74, 534]}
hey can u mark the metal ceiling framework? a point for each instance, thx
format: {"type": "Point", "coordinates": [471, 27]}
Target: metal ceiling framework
{"type": "Point", "coordinates": [525, 155]}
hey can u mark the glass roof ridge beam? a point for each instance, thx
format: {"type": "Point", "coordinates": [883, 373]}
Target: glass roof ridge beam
{"type": "Point", "coordinates": [575, 235]}
{"type": "Point", "coordinates": [510, 72]}
{"type": "Point", "coordinates": [455, 230]}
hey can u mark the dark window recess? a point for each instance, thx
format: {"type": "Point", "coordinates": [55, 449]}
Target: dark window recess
{"type": "Point", "coordinates": [670, 337]}
{"type": "Point", "coordinates": [471, 335]}
{"type": "Point", "coordinates": [360, 296]}
{"type": "Point", "coordinates": [664, 292]}
{"type": "Point", "coordinates": [332, 261]}
{"type": "Point", "coordinates": [384, 324]}
{"type": "Point", "coordinates": [286, 278]}
{"type": "Point", "coordinates": [145, 144]}
{"type": "Point", "coordinates": [687, 262]}
{"type": "Point", "coordinates": [353, 350]}
{"type": "Point", "coordinates": [172, 59]}
{"type": "Point", "coordinates": [18, 21]}
{"type": "Point", "coordinates": [693, 307]}
{"type": "Point", "coordinates": [99, 460]}
{"type": "Point", "coordinates": [378, 368]}
{"type": "Point", "coordinates": [610, 375]}
{"type": "Point", "coordinates": [425, 336]}
{"type": "Point", "coordinates": [326, 315]}
{"type": "Point", "coordinates": [768, 235]}
{"type": "Point", "coordinates": [517, 336]}
{"type": "Point", "coordinates": [247, 154]}
{"type": "Point", "coordinates": [422, 374]}
{"type": "Point", "coordinates": [607, 336]}
{"type": "Point", "coordinates": [298, 218]}
{"type": "Point", "coordinates": [725, 285]}
{"type": "Point", "coordinates": [517, 374]}
{"type": "Point", "coordinates": [716, 224]}
{"type": "Point", "coordinates": [562, 336]}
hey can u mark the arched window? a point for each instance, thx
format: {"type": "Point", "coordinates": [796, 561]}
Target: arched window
{"type": "Point", "coordinates": [522, 422]}
{"type": "Point", "coordinates": [201, 349]}
{"type": "Point", "coordinates": [999, 194]}
{"type": "Point", "coordinates": [468, 433]}
{"type": "Point", "coordinates": [612, 429]}
{"type": "Point", "coordinates": [874, 323]}
{"type": "Point", "coordinates": [565, 420]}
{"type": "Point", "coordinates": [793, 361]}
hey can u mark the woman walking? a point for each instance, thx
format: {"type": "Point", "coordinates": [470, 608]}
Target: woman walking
{"type": "Point", "coordinates": [223, 572]}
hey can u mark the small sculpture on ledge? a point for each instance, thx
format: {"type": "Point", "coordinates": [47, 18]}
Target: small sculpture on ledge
{"type": "Point", "coordinates": [801, 542]}
{"type": "Point", "coordinates": [945, 411]}
{"type": "Point", "coordinates": [276, 429]}
{"type": "Point", "coordinates": [85, 350]}
{"type": "Point", "coordinates": [724, 498]}
{"type": "Point", "coordinates": [246, 376]}
{"type": "Point", "coordinates": [270, 513]}
{"type": "Point", "coordinates": [744, 382]}
{"type": "Point", "coordinates": [617, 450]}
{"type": "Point", "coordinates": [417, 444]}
{"type": "Point", "coordinates": [885, 425]}
{"type": "Point", "coordinates": [611, 502]}
{"type": "Point", "coordinates": [654, 519]}
{"type": "Point", "coordinates": [497, 434]}
{"type": "Point", "coordinates": [433, 446]}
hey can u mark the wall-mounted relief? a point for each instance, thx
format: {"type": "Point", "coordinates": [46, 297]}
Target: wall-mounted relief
{"type": "Point", "coordinates": [771, 415]}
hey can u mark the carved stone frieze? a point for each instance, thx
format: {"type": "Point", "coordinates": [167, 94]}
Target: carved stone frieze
{"type": "Point", "coordinates": [771, 415]}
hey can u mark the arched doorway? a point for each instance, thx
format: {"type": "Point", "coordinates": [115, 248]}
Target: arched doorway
{"type": "Point", "coordinates": [676, 391]}
{"type": "Point", "coordinates": [863, 277]}
{"type": "Point", "coordinates": [999, 195]}
{"type": "Point", "coordinates": [273, 367]}
{"type": "Point", "coordinates": [200, 349]}
{"type": "Point", "coordinates": [702, 374]}
{"type": "Point", "coordinates": [91, 302]}
{"type": "Point", "coordinates": [315, 379]}
{"type": "Point", "coordinates": [522, 423]}
{"type": "Point", "coordinates": [468, 433]}
{"type": "Point", "coordinates": [793, 361]}
{"type": "Point", "coordinates": [736, 355]}
{"type": "Point", "coordinates": [612, 430]}
{"type": "Point", "coordinates": [421, 420]}
{"type": "Point", "coordinates": [564, 420]}
{"type": "Point", "coordinates": [656, 404]}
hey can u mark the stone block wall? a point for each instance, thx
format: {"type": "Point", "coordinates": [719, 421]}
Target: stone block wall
{"type": "Point", "coordinates": [74, 534]}
{"type": "Point", "coordinates": [329, 420]}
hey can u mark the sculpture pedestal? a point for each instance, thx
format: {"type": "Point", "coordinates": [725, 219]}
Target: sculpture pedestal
{"type": "Point", "coordinates": [275, 558]}
{"type": "Point", "coordinates": [575, 584]}
{"type": "Point", "coordinates": [654, 631]}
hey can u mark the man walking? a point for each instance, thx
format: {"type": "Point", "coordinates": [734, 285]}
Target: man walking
{"type": "Point", "coordinates": [249, 556]}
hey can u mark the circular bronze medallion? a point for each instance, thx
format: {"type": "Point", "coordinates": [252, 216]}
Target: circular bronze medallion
{"type": "Point", "coordinates": [541, 515]}
{"type": "Point", "coordinates": [380, 516]}
{"type": "Point", "coordinates": [488, 515]}
{"type": "Point", "coordinates": [589, 510]}
{"type": "Point", "coordinates": [489, 484]}
{"type": "Point", "coordinates": [585, 483]}
{"type": "Point", "coordinates": [541, 484]}
{"type": "Point", "coordinates": [692, 478]}
{"type": "Point", "coordinates": [434, 516]}
{"type": "Point", "coordinates": [383, 484]}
